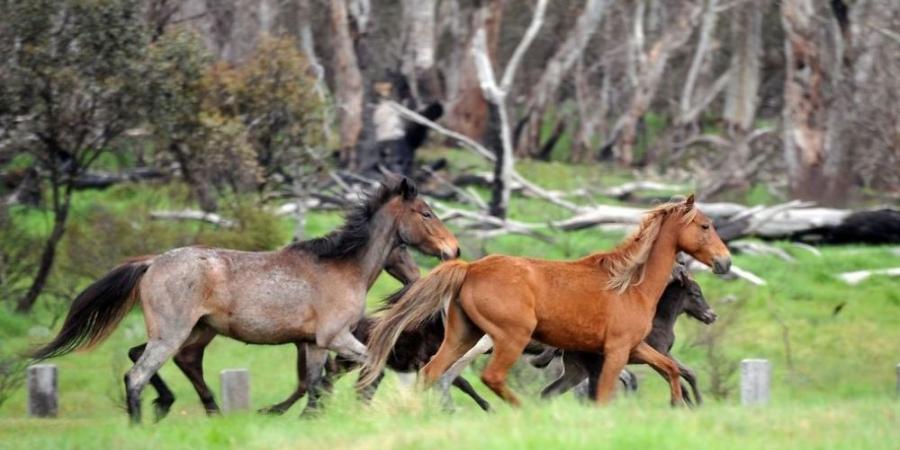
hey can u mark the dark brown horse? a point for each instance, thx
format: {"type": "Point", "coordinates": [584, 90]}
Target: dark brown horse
{"type": "Point", "coordinates": [603, 303]}
{"type": "Point", "coordinates": [682, 295]}
{"type": "Point", "coordinates": [313, 291]}
{"type": "Point", "coordinates": [411, 352]}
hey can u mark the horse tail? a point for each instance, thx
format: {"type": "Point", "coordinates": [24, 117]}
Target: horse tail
{"type": "Point", "coordinates": [420, 302]}
{"type": "Point", "coordinates": [97, 310]}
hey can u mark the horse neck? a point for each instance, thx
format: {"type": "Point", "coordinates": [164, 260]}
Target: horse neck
{"type": "Point", "coordinates": [671, 304]}
{"type": "Point", "coordinates": [382, 239]}
{"type": "Point", "coordinates": [659, 263]}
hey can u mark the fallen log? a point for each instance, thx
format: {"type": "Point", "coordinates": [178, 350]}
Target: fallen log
{"type": "Point", "coordinates": [193, 215]}
{"type": "Point", "coordinates": [862, 275]}
{"type": "Point", "coordinates": [796, 221]}
{"type": "Point", "coordinates": [103, 180]}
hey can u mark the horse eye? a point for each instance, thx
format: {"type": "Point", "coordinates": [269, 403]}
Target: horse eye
{"type": "Point", "coordinates": [705, 226]}
{"type": "Point", "coordinates": [426, 214]}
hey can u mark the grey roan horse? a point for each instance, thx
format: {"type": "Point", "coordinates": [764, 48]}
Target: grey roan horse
{"type": "Point", "coordinates": [312, 291]}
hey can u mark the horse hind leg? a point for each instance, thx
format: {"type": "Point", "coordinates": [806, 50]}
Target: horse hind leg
{"type": "Point", "coordinates": [460, 335]}
{"type": "Point", "coordinates": [484, 345]}
{"type": "Point", "coordinates": [190, 360]}
{"type": "Point", "coordinates": [157, 351]}
{"type": "Point", "coordinates": [464, 385]}
{"type": "Point", "coordinates": [164, 396]}
{"type": "Point", "coordinates": [507, 349]}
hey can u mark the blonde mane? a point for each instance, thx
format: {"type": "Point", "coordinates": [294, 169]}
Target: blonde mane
{"type": "Point", "coordinates": [627, 262]}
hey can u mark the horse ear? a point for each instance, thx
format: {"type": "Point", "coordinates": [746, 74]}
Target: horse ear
{"type": "Point", "coordinates": [408, 189]}
{"type": "Point", "coordinates": [690, 201]}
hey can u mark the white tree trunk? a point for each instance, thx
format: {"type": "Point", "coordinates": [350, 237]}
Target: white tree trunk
{"type": "Point", "coordinates": [556, 70]}
{"type": "Point", "coordinates": [496, 94]}
{"type": "Point", "coordinates": [678, 31]}
{"type": "Point", "coordinates": [419, 47]}
{"type": "Point", "coordinates": [708, 25]}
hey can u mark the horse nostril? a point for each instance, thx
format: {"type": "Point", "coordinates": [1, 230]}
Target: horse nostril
{"type": "Point", "coordinates": [721, 265]}
{"type": "Point", "coordinates": [458, 252]}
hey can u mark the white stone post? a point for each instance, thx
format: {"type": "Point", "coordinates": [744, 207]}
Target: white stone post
{"type": "Point", "coordinates": [756, 376]}
{"type": "Point", "coordinates": [235, 389]}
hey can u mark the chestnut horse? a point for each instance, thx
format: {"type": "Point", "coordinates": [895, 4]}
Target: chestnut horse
{"type": "Point", "coordinates": [312, 291]}
{"type": "Point", "coordinates": [682, 295]}
{"type": "Point", "coordinates": [604, 302]}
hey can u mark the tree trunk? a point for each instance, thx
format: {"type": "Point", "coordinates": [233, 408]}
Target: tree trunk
{"type": "Point", "coordinates": [419, 50]}
{"type": "Point", "coordinates": [48, 255]}
{"type": "Point", "coordinates": [743, 86]}
{"type": "Point", "coordinates": [592, 111]}
{"type": "Point", "coordinates": [805, 103]}
{"type": "Point", "coordinates": [707, 27]}
{"type": "Point", "coordinates": [556, 69]}
{"type": "Point", "coordinates": [624, 134]}
{"type": "Point", "coordinates": [468, 109]}
{"type": "Point", "coordinates": [348, 83]}
{"type": "Point", "coordinates": [198, 182]}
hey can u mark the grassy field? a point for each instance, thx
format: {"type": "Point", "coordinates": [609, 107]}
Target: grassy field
{"type": "Point", "coordinates": [833, 348]}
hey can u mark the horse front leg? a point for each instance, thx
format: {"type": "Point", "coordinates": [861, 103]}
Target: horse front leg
{"type": "Point", "coordinates": [344, 343]}
{"type": "Point", "coordinates": [281, 407]}
{"type": "Point", "coordinates": [316, 357]}
{"type": "Point", "coordinates": [691, 378]}
{"type": "Point", "coordinates": [614, 359]}
{"type": "Point", "coordinates": [662, 364]}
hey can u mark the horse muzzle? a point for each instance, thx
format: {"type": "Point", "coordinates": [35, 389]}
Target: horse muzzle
{"type": "Point", "coordinates": [709, 317]}
{"type": "Point", "coordinates": [721, 265]}
{"type": "Point", "coordinates": [449, 253]}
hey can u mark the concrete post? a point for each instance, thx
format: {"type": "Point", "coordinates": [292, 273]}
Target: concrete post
{"type": "Point", "coordinates": [43, 399]}
{"type": "Point", "coordinates": [756, 376]}
{"type": "Point", "coordinates": [235, 389]}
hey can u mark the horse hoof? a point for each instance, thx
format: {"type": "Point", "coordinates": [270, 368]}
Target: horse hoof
{"type": "Point", "coordinates": [310, 413]}
{"type": "Point", "coordinates": [161, 407]}
{"type": "Point", "coordinates": [271, 411]}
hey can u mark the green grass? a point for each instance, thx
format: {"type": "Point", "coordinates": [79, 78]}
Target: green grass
{"type": "Point", "coordinates": [833, 373]}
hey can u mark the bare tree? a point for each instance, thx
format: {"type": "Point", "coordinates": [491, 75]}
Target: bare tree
{"type": "Point", "coordinates": [468, 108]}
{"type": "Point", "coordinates": [503, 171]}
{"type": "Point", "coordinates": [348, 89]}
{"type": "Point", "coordinates": [814, 161]}
{"type": "Point", "coordinates": [650, 68]}
{"type": "Point", "coordinates": [555, 70]}
{"type": "Point", "coordinates": [418, 63]}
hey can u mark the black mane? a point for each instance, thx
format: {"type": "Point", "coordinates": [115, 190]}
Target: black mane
{"type": "Point", "coordinates": [353, 235]}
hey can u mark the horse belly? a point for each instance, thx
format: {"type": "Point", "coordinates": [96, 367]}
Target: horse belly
{"type": "Point", "coordinates": [571, 327]}
{"type": "Point", "coordinates": [265, 312]}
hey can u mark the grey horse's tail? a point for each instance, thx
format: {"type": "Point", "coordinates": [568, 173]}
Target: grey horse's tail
{"type": "Point", "coordinates": [421, 301]}
{"type": "Point", "coordinates": [97, 310]}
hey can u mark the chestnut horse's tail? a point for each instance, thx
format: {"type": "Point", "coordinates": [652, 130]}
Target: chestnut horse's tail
{"type": "Point", "coordinates": [421, 301]}
{"type": "Point", "coordinates": [97, 310]}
